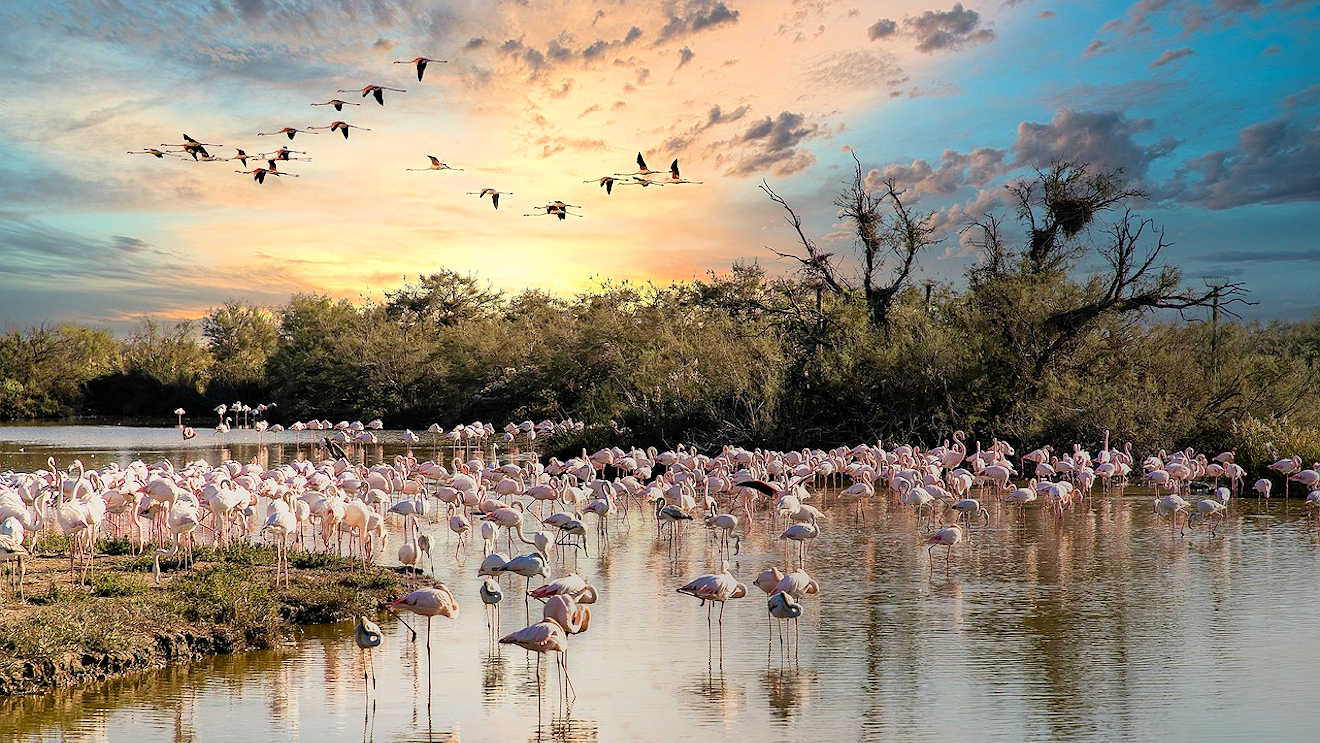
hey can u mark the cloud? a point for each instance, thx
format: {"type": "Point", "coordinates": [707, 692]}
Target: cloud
{"type": "Point", "coordinates": [1274, 162]}
{"type": "Point", "coordinates": [1095, 49]}
{"type": "Point", "coordinates": [695, 16]}
{"type": "Point", "coordinates": [1045, 14]}
{"type": "Point", "coordinates": [772, 144]}
{"type": "Point", "coordinates": [1263, 255]}
{"type": "Point", "coordinates": [476, 42]}
{"type": "Point", "coordinates": [936, 30]}
{"type": "Point", "coordinates": [956, 169]}
{"type": "Point", "coordinates": [1136, 20]}
{"type": "Point", "coordinates": [685, 55]}
{"type": "Point", "coordinates": [1171, 55]}
{"type": "Point", "coordinates": [383, 44]}
{"type": "Point", "coordinates": [1304, 98]}
{"type": "Point", "coordinates": [951, 29]}
{"type": "Point", "coordinates": [1103, 138]}
{"type": "Point", "coordinates": [1271, 50]}
{"type": "Point", "coordinates": [881, 29]}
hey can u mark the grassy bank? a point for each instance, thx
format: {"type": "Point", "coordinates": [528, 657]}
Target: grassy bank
{"type": "Point", "coordinates": [121, 622]}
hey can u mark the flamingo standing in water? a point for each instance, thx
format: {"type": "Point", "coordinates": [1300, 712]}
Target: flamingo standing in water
{"type": "Point", "coordinates": [561, 617]}
{"type": "Point", "coordinates": [715, 587]}
{"type": "Point", "coordinates": [947, 536]}
{"type": "Point", "coordinates": [427, 602]}
{"type": "Point", "coordinates": [1287, 467]}
{"type": "Point", "coordinates": [367, 635]}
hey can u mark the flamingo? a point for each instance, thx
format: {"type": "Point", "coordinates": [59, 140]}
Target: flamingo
{"type": "Point", "coordinates": [1287, 467]}
{"type": "Point", "coordinates": [947, 536]}
{"type": "Point", "coordinates": [421, 63]}
{"type": "Point", "coordinates": [718, 587]}
{"type": "Point", "coordinates": [800, 533]}
{"type": "Point", "coordinates": [606, 182]}
{"type": "Point", "coordinates": [367, 635]}
{"type": "Point", "coordinates": [287, 131]}
{"type": "Point", "coordinates": [258, 175]}
{"type": "Point", "coordinates": [13, 553]}
{"type": "Point", "coordinates": [338, 104]}
{"type": "Point", "coordinates": [674, 177]}
{"type": "Point", "coordinates": [158, 154]}
{"type": "Point", "coordinates": [435, 165]}
{"type": "Point", "coordinates": [491, 596]}
{"type": "Point", "coordinates": [341, 126]}
{"type": "Point", "coordinates": [376, 91]}
{"type": "Point", "coordinates": [641, 168]}
{"type": "Point", "coordinates": [494, 195]}
{"type": "Point", "coordinates": [427, 602]}
{"type": "Point", "coordinates": [555, 209]}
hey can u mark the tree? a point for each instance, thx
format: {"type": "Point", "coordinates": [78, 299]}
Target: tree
{"type": "Point", "coordinates": [887, 244]}
{"type": "Point", "coordinates": [444, 298]}
{"type": "Point", "coordinates": [1028, 300]}
{"type": "Point", "coordinates": [241, 338]}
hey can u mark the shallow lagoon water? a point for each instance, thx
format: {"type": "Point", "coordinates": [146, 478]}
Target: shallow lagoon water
{"type": "Point", "coordinates": [1103, 627]}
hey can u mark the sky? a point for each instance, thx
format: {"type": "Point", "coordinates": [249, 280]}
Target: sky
{"type": "Point", "coordinates": [1210, 106]}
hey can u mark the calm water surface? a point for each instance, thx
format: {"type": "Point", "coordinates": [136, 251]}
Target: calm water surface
{"type": "Point", "coordinates": [1105, 627]}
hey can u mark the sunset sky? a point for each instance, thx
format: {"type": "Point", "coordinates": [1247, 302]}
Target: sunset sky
{"type": "Point", "coordinates": [1211, 106]}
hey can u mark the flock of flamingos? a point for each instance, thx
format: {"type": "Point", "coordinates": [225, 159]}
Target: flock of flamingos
{"type": "Point", "coordinates": [197, 150]}
{"type": "Point", "coordinates": [339, 505]}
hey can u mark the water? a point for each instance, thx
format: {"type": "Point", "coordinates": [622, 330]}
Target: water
{"type": "Point", "coordinates": [1106, 627]}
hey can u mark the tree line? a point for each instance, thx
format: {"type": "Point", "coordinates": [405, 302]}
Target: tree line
{"type": "Point", "coordinates": [1068, 324]}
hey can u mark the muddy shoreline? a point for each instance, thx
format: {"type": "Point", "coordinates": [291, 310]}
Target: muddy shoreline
{"type": "Point", "coordinates": [120, 622]}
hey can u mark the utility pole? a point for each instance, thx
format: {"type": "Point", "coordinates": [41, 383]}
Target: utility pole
{"type": "Point", "coordinates": [1216, 284]}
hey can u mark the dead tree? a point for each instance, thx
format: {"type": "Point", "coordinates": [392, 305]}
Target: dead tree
{"type": "Point", "coordinates": [888, 242]}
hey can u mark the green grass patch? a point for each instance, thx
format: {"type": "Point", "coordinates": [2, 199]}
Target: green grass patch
{"type": "Point", "coordinates": [110, 585]}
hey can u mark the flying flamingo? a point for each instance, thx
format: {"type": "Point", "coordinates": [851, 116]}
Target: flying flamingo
{"type": "Point", "coordinates": [338, 104]}
{"type": "Point", "coordinates": [674, 177]}
{"type": "Point", "coordinates": [557, 209]}
{"type": "Point", "coordinates": [494, 195]}
{"type": "Point", "coordinates": [642, 181]}
{"type": "Point", "coordinates": [436, 165]}
{"type": "Point", "coordinates": [287, 131]}
{"type": "Point", "coordinates": [948, 536]}
{"type": "Point", "coordinates": [158, 154]}
{"type": "Point", "coordinates": [259, 175]}
{"type": "Point", "coordinates": [641, 168]}
{"type": "Point", "coordinates": [606, 182]}
{"type": "Point", "coordinates": [341, 126]}
{"type": "Point", "coordinates": [421, 63]}
{"type": "Point", "coordinates": [377, 91]}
